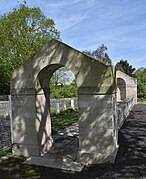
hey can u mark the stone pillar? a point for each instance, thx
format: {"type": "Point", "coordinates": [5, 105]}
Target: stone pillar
{"type": "Point", "coordinates": [24, 118]}
{"type": "Point", "coordinates": [43, 119]}
{"type": "Point", "coordinates": [97, 128]}
{"type": "Point", "coordinates": [31, 122]}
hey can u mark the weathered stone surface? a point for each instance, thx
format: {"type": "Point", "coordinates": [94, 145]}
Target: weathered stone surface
{"type": "Point", "coordinates": [123, 110]}
{"type": "Point", "coordinates": [64, 152]}
{"type": "Point", "coordinates": [30, 88]}
{"type": "Point", "coordinates": [126, 87]}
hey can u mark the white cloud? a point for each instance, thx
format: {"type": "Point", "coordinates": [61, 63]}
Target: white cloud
{"type": "Point", "coordinates": [63, 3]}
{"type": "Point", "coordinates": [65, 24]}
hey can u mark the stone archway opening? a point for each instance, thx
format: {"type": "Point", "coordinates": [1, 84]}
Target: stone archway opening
{"type": "Point", "coordinates": [64, 138]}
{"type": "Point", "coordinates": [121, 89]}
{"type": "Point", "coordinates": [96, 103]}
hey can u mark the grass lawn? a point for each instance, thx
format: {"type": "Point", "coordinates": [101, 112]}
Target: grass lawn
{"type": "Point", "coordinates": [5, 152]}
{"type": "Point", "coordinates": [1, 112]}
{"type": "Point", "coordinates": [13, 168]}
{"type": "Point", "coordinates": [63, 120]}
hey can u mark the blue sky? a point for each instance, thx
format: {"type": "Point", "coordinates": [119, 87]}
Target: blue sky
{"type": "Point", "coordinates": [86, 24]}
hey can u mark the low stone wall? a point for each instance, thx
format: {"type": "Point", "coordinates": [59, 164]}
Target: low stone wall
{"type": "Point", "coordinates": [123, 109]}
{"type": "Point", "coordinates": [5, 134]}
{"type": "Point", "coordinates": [61, 101]}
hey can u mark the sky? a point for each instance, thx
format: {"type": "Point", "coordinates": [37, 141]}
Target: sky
{"type": "Point", "coordinates": [86, 24]}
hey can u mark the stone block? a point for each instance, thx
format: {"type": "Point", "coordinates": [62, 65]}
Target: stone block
{"type": "Point", "coordinates": [25, 150]}
{"type": "Point", "coordinates": [96, 140]}
{"type": "Point", "coordinates": [87, 158]}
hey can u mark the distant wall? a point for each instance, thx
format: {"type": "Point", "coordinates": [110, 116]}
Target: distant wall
{"type": "Point", "coordinates": [61, 101]}
{"type": "Point", "coordinates": [126, 87]}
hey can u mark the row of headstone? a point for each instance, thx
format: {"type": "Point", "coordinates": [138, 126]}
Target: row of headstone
{"type": "Point", "coordinates": [72, 104]}
{"type": "Point", "coordinates": [4, 108]}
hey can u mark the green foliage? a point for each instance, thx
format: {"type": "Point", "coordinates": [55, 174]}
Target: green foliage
{"type": "Point", "coordinates": [4, 98]}
{"type": "Point", "coordinates": [63, 120]}
{"type": "Point", "coordinates": [62, 75]}
{"type": "Point", "coordinates": [124, 66]}
{"type": "Point", "coordinates": [141, 83]}
{"type": "Point", "coordinates": [100, 54]}
{"type": "Point", "coordinates": [22, 33]}
{"type": "Point", "coordinates": [67, 91]}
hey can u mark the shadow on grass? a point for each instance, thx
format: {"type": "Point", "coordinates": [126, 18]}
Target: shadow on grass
{"type": "Point", "coordinates": [14, 168]}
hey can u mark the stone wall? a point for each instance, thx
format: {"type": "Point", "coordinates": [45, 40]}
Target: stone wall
{"type": "Point", "coordinates": [5, 134]}
{"type": "Point", "coordinates": [61, 101]}
{"type": "Point", "coordinates": [123, 109]}
{"type": "Point", "coordinates": [126, 87]}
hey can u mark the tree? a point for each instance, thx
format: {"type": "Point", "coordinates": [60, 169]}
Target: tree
{"type": "Point", "coordinates": [22, 33]}
{"type": "Point", "coordinates": [124, 66]}
{"type": "Point", "coordinates": [67, 91]}
{"type": "Point", "coordinates": [141, 83]}
{"type": "Point", "coordinates": [62, 84]}
{"type": "Point", "coordinates": [99, 54]}
{"type": "Point", "coordinates": [62, 75]}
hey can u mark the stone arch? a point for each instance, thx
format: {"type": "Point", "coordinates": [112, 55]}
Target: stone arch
{"type": "Point", "coordinates": [126, 87]}
{"type": "Point", "coordinates": [121, 89]}
{"type": "Point", "coordinates": [43, 104]}
{"type": "Point", "coordinates": [96, 103]}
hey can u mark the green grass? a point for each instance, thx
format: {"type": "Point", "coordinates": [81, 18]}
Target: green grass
{"type": "Point", "coordinates": [1, 112]}
{"type": "Point", "coordinates": [63, 120]}
{"type": "Point", "coordinates": [141, 100]}
{"type": "Point", "coordinates": [4, 152]}
{"type": "Point", "coordinates": [53, 109]}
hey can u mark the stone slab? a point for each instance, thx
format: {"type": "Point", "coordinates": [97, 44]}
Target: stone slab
{"type": "Point", "coordinates": [53, 163]}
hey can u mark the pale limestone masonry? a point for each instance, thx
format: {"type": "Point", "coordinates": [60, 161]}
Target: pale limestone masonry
{"type": "Point", "coordinates": [126, 87]}
{"type": "Point", "coordinates": [123, 109]}
{"type": "Point", "coordinates": [96, 88]}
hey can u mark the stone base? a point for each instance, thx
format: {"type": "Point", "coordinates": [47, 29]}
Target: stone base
{"type": "Point", "coordinates": [100, 158]}
{"type": "Point", "coordinates": [26, 151]}
{"type": "Point", "coordinates": [53, 163]}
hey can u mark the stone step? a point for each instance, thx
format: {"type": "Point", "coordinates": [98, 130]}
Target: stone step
{"type": "Point", "coordinates": [54, 163]}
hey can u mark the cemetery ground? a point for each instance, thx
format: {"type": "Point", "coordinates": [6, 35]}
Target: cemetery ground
{"type": "Point", "coordinates": [63, 119]}
{"type": "Point", "coordinates": [130, 161]}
